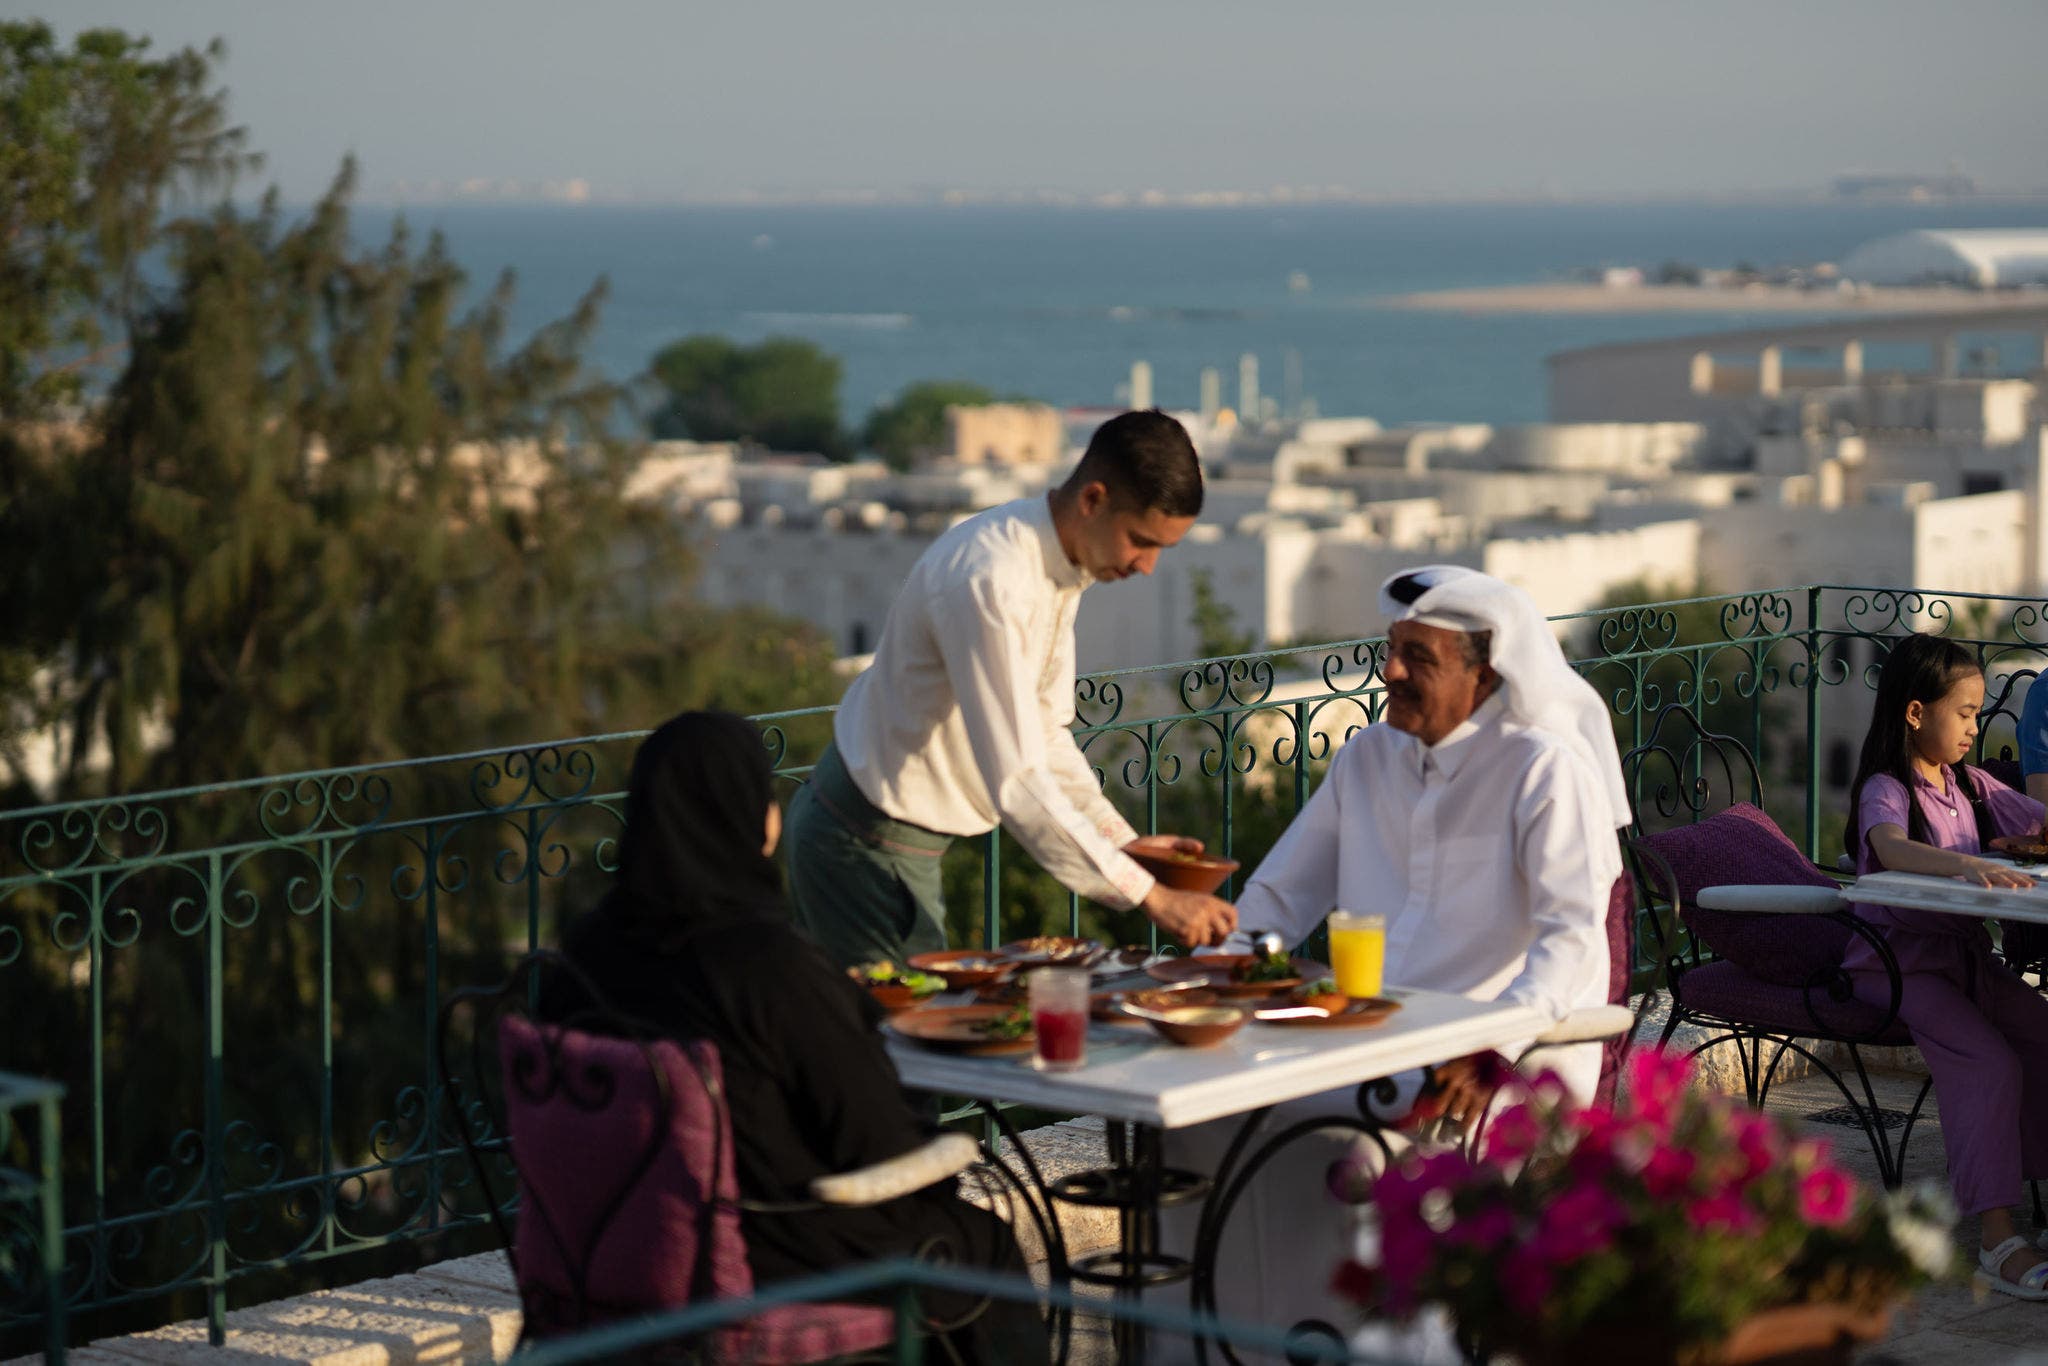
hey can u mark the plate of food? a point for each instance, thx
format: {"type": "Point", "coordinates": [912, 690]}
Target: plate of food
{"type": "Point", "coordinates": [963, 967]}
{"type": "Point", "coordinates": [1321, 993]}
{"type": "Point", "coordinates": [1358, 1012]}
{"type": "Point", "coordinates": [2022, 849]}
{"type": "Point", "coordinates": [1052, 950]}
{"type": "Point", "coordinates": [980, 1031]}
{"type": "Point", "coordinates": [1239, 974]}
{"type": "Point", "coordinates": [896, 988]}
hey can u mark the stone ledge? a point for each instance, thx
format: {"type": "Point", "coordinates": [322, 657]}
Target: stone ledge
{"type": "Point", "coordinates": [1074, 1145]}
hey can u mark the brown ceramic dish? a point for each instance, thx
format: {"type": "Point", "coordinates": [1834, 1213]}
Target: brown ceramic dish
{"type": "Point", "coordinates": [1004, 991]}
{"type": "Point", "coordinates": [1153, 998]}
{"type": "Point", "coordinates": [1107, 1007]}
{"type": "Point", "coordinates": [952, 1029]}
{"type": "Point", "coordinates": [1361, 1012]}
{"type": "Point", "coordinates": [1217, 972]}
{"type": "Point", "coordinates": [1196, 1026]}
{"type": "Point", "coordinates": [1187, 872]}
{"type": "Point", "coordinates": [962, 968]}
{"type": "Point", "coordinates": [894, 996]}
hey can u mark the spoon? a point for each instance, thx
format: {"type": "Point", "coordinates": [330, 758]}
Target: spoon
{"type": "Point", "coordinates": [1267, 944]}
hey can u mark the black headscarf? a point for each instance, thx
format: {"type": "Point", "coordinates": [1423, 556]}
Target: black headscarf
{"type": "Point", "coordinates": [696, 818]}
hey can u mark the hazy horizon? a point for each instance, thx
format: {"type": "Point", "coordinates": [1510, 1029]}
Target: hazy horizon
{"type": "Point", "coordinates": [636, 100]}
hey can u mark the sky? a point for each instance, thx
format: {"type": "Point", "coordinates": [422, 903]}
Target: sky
{"type": "Point", "coordinates": [680, 99]}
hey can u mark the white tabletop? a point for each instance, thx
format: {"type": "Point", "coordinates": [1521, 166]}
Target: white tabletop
{"type": "Point", "coordinates": [1134, 1075]}
{"type": "Point", "coordinates": [1952, 896]}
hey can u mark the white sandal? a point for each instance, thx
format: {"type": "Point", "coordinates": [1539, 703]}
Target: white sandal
{"type": "Point", "coordinates": [2033, 1282]}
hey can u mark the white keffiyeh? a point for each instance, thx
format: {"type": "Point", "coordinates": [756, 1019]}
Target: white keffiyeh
{"type": "Point", "coordinates": [1538, 687]}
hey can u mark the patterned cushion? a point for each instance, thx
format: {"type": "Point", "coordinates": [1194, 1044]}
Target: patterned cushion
{"type": "Point", "coordinates": [1621, 960]}
{"type": "Point", "coordinates": [616, 1206]}
{"type": "Point", "coordinates": [1743, 845]}
{"type": "Point", "coordinates": [806, 1332]}
{"type": "Point", "coordinates": [1727, 992]}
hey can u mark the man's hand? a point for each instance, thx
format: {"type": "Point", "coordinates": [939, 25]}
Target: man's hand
{"type": "Point", "coordinates": [1196, 920]}
{"type": "Point", "coordinates": [1459, 1091]}
{"type": "Point", "coordinates": [1158, 846]}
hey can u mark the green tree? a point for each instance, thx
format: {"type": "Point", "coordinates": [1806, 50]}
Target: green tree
{"type": "Point", "coordinates": [1215, 623]}
{"type": "Point", "coordinates": [914, 424]}
{"type": "Point", "coordinates": [782, 394]}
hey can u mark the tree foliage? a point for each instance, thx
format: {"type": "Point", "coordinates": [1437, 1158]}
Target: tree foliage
{"type": "Point", "coordinates": [914, 425]}
{"type": "Point", "coordinates": [782, 394]}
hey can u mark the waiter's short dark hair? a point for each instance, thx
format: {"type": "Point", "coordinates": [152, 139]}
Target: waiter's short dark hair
{"type": "Point", "coordinates": [1147, 463]}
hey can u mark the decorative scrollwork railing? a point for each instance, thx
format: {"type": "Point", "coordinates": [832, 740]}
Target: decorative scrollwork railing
{"type": "Point", "coordinates": [237, 983]}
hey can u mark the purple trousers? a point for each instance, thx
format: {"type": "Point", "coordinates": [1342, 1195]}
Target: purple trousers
{"type": "Point", "coordinates": [1984, 1033]}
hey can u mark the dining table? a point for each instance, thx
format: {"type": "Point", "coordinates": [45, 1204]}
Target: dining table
{"type": "Point", "coordinates": [1953, 896]}
{"type": "Point", "coordinates": [1142, 1085]}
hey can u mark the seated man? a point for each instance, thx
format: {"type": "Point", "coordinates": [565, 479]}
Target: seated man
{"type": "Point", "coordinates": [1480, 819]}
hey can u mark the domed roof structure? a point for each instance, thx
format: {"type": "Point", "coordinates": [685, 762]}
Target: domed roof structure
{"type": "Point", "coordinates": [1985, 258]}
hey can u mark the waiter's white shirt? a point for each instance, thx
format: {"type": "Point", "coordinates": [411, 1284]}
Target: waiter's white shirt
{"type": "Point", "coordinates": [963, 722]}
{"type": "Point", "coordinates": [1488, 853]}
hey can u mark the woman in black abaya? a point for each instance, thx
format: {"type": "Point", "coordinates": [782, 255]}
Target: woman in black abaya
{"type": "Point", "coordinates": [696, 939]}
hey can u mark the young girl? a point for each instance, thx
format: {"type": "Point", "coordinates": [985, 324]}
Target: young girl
{"type": "Point", "coordinates": [1916, 808]}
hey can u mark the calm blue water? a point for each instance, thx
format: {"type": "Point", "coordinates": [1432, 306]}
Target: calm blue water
{"type": "Point", "coordinates": [1057, 303]}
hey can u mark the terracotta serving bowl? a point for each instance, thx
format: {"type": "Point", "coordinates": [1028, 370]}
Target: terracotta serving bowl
{"type": "Point", "coordinates": [1186, 872]}
{"type": "Point", "coordinates": [894, 996]}
{"type": "Point", "coordinates": [1196, 1026]}
{"type": "Point", "coordinates": [961, 967]}
{"type": "Point", "coordinates": [1154, 998]}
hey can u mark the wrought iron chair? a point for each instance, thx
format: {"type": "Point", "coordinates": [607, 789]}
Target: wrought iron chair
{"type": "Point", "coordinates": [1759, 965]}
{"type": "Point", "coordinates": [2023, 945]}
{"type": "Point", "coordinates": [621, 1146]}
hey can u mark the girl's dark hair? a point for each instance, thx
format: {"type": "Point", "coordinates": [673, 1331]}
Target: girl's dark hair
{"type": "Point", "coordinates": [1920, 668]}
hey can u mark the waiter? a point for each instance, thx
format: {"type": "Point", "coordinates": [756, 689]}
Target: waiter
{"type": "Point", "coordinates": [964, 720]}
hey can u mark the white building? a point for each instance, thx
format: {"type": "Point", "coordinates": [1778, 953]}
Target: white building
{"type": "Point", "coordinates": [1981, 258]}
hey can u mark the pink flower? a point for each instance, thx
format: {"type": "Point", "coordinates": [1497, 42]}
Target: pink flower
{"type": "Point", "coordinates": [1723, 1213]}
{"type": "Point", "coordinates": [1405, 1253]}
{"type": "Point", "coordinates": [1656, 1083]}
{"type": "Point", "coordinates": [1513, 1135]}
{"type": "Point", "coordinates": [1355, 1282]}
{"type": "Point", "coordinates": [1669, 1172]}
{"type": "Point", "coordinates": [1825, 1196]}
{"type": "Point", "coordinates": [1488, 1228]}
{"type": "Point", "coordinates": [1579, 1223]}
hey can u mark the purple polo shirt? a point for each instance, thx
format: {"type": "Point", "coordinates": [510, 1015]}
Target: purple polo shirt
{"type": "Point", "coordinates": [1928, 941]}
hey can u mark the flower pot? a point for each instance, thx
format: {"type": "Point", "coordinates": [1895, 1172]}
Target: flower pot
{"type": "Point", "coordinates": [1802, 1335]}
{"type": "Point", "coordinates": [1791, 1335]}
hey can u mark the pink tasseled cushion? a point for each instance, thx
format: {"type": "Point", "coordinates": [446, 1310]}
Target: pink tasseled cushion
{"type": "Point", "coordinates": [602, 1188]}
{"type": "Point", "coordinates": [599, 1188]}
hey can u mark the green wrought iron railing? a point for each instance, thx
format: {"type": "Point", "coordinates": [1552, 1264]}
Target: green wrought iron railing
{"type": "Point", "coordinates": [32, 1204]}
{"type": "Point", "coordinates": [238, 984]}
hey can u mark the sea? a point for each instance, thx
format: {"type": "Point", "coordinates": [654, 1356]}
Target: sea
{"type": "Point", "coordinates": [1056, 303]}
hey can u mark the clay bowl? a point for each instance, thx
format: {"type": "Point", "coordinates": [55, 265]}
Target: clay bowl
{"type": "Point", "coordinates": [1051, 950]}
{"type": "Point", "coordinates": [894, 996]}
{"type": "Point", "coordinates": [1004, 991]}
{"type": "Point", "coordinates": [1155, 998]}
{"type": "Point", "coordinates": [1195, 1026]}
{"type": "Point", "coordinates": [961, 967]}
{"type": "Point", "coordinates": [1186, 872]}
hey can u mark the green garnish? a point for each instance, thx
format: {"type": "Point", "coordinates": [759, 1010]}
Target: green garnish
{"type": "Point", "coordinates": [1013, 1023]}
{"type": "Point", "coordinates": [1277, 968]}
{"type": "Point", "coordinates": [890, 975]}
{"type": "Point", "coordinates": [1322, 986]}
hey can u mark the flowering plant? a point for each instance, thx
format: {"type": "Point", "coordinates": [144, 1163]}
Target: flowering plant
{"type": "Point", "coordinates": [1667, 1219]}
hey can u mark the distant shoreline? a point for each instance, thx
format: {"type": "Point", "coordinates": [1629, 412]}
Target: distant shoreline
{"type": "Point", "coordinates": [1575, 297]}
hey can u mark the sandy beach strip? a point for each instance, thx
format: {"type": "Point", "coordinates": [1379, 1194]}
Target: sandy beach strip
{"type": "Point", "coordinates": [1572, 297]}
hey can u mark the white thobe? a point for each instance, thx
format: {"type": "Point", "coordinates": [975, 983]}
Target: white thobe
{"type": "Point", "coordinates": [964, 720]}
{"type": "Point", "coordinates": [1490, 856]}
{"type": "Point", "coordinates": [1487, 852]}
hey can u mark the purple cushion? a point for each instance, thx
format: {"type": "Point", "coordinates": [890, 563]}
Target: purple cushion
{"type": "Point", "coordinates": [806, 1332]}
{"type": "Point", "coordinates": [606, 1188]}
{"type": "Point", "coordinates": [1725, 991]}
{"type": "Point", "coordinates": [1738, 846]}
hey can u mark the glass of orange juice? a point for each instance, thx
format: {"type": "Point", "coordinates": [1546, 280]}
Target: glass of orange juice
{"type": "Point", "coordinates": [1358, 952]}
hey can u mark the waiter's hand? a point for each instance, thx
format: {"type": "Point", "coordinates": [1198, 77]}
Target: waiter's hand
{"type": "Point", "coordinates": [1157, 845]}
{"type": "Point", "coordinates": [1194, 918]}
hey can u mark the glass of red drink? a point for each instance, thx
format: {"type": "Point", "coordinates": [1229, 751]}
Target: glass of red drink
{"type": "Point", "coordinates": [1059, 1016]}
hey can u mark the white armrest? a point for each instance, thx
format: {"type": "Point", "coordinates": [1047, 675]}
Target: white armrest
{"type": "Point", "coordinates": [947, 1155]}
{"type": "Point", "coordinates": [1771, 899]}
{"type": "Point", "coordinates": [1589, 1023]}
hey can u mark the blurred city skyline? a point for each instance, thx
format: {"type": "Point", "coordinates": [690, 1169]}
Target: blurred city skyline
{"type": "Point", "coordinates": [1198, 101]}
